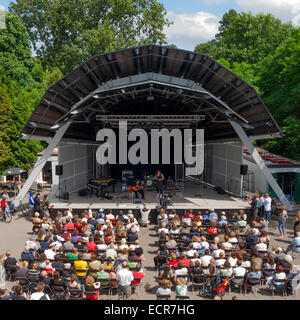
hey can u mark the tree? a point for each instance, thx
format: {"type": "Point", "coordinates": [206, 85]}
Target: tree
{"type": "Point", "coordinates": [280, 86]}
{"type": "Point", "coordinates": [246, 38]}
{"type": "Point", "coordinates": [15, 53]}
{"type": "Point", "coordinates": [66, 33]}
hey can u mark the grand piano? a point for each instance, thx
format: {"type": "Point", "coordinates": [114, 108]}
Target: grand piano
{"type": "Point", "coordinates": [101, 186]}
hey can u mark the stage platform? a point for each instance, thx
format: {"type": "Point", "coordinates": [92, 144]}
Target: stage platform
{"type": "Point", "coordinates": [194, 196]}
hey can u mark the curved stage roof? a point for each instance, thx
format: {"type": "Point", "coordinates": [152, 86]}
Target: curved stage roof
{"type": "Point", "coordinates": [151, 80]}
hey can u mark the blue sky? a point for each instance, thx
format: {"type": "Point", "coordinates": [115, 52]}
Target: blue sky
{"type": "Point", "coordinates": [197, 21]}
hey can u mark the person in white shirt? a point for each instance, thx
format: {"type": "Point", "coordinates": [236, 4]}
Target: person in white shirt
{"type": "Point", "coordinates": [238, 271]}
{"type": "Point", "coordinates": [191, 251]}
{"type": "Point", "coordinates": [31, 244]}
{"type": "Point", "coordinates": [216, 253]}
{"type": "Point", "coordinates": [226, 243]}
{"type": "Point", "coordinates": [70, 214]}
{"type": "Point", "coordinates": [220, 261]}
{"type": "Point", "coordinates": [123, 244]}
{"type": "Point", "coordinates": [50, 253]}
{"type": "Point", "coordinates": [232, 259]}
{"type": "Point", "coordinates": [267, 206]}
{"type": "Point", "coordinates": [232, 238]}
{"type": "Point", "coordinates": [261, 246]}
{"type": "Point", "coordinates": [144, 215]}
{"type": "Point", "coordinates": [57, 244]}
{"type": "Point", "coordinates": [40, 293]}
{"type": "Point", "coordinates": [125, 277]}
{"type": "Point", "coordinates": [182, 271]}
{"type": "Point", "coordinates": [163, 229]}
{"type": "Point", "coordinates": [204, 243]}
{"type": "Point", "coordinates": [195, 258]}
{"type": "Point", "coordinates": [205, 260]}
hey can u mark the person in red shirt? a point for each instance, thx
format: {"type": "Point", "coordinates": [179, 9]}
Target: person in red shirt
{"type": "Point", "coordinates": [190, 214]}
{"type": "Point", "coordinates": [138, 275]}
{"type": "Point", "coordinates": [78, 225]}
{"type": "Point", "coordinates": [173, 262]}
{"type": "Point", "coordinates": [184, 261]}
{"type": "Point", "coordinates": [91, 245]}
{"type": "Point", "coordinates": [69, 225]}
{"type": "Point", "coordinates": [3, 208]}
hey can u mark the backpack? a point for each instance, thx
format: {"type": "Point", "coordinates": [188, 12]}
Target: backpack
{"type": "Point", "coordinates": [44, 297]}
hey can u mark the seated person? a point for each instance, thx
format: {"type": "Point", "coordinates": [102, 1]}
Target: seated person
{"type": "Point", "coordinates": [181, 289]}
{"type": "Point", "coordinates": [181, 271]}
{"type": "Point", "coordinates": [226, 271]}
{"type": "Point", "coordinates": [197, 271]}
{"type": "Point", "coordinates": [164, 289]}
{"type": "Point", "coordinates": [91, 288]}
{"type": "Point", "coordinates": [238, 271]}
{"type": "Point", "coordinates": [137, 274]}
{"type": "Point", "coordinates": [278, 275]}
{"type": "Point", "coordinates": [255, 274]}
{"type": "Point", "coordinates": [139, 189]}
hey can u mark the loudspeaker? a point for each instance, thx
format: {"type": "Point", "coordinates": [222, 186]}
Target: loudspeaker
{"type": "Point", "coordinates": [219, 190]}
{"type": "Point", "coordinates": [59, 170]}
{"type": "Point", "coordinates": [244, 169]}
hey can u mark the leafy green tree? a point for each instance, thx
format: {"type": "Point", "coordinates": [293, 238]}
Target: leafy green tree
{"type": "Point", "coordinates": [280, 86]}
{"type": "Point", "coordinates": [15, 53]}
{"type": "Point", "coordinates": [64, 33]}
{"type": "Point", "coordinates": [246, 38]}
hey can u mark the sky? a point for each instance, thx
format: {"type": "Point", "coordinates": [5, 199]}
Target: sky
{"type": "Point", "coordinates": [197, 21]}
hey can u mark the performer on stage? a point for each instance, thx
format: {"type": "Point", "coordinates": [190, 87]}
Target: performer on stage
{"type": "Point", "coordinates": [139, 188]}
{"type": "Point", "coordinates": [159, 182]}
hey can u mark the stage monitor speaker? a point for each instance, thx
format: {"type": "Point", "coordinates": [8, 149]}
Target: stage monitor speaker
{"type": "Point", "coordinates": [244, 169]}
{"type": "Point", "coordinates": [59, 170]}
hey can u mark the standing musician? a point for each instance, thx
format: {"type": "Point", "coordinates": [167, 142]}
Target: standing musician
{"type": "Point", "coordinates": [159, 182]}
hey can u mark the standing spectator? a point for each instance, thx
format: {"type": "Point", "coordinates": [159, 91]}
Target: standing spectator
{"type": "Point", "coordinates": [281, 222]}
{"type": "Point", "coordinates": [267, 206]}
{"type": "Point", "coordinates": [3, 207]}
{"type": "Point", "coordinates": [297, 224]}
{"type": "Point", "coordinates": [37, 204]}
{"type": "Point", "coordinates": [253, 210]}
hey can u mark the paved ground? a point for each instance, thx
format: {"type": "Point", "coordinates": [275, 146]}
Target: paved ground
{"type": "Point", "coordinates": [13, 236]}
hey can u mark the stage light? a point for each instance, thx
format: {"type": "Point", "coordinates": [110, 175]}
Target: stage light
{"type": "Point", "coordinates": [150, 98]}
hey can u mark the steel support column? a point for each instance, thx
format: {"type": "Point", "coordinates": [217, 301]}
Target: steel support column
{"type": "Point", "coordinates": [41, 162]}
{"type": "Point", "coordinates": [261, 164]}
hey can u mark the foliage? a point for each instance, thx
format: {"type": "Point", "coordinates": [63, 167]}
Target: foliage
{"type": "Point", "coordinates": [280, 85]}
{"type": "Point", "coordinates": [66, 33]}
{"type": "Point", "coordinates": [265, 53]}
{"type": "Point", "coordinates": [246, 38]}
{"type": "Point", "coordinates": [15, 53]}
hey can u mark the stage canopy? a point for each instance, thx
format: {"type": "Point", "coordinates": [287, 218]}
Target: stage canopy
{"type": "Point", "coordinates": [156, 81]}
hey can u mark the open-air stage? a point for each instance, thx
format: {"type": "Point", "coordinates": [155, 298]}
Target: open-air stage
{"type": "Point", "coordinates": [196, 196]}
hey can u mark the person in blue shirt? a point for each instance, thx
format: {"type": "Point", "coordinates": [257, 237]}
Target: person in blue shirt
{"type": "Point", "coordinates": [205, 218]}
{"type": "Point", "coordinates": [223, 221]}
{"type": "Point", "coordinates": [213, 215]}
{"type": "Point", "coordinates": [293, 245]}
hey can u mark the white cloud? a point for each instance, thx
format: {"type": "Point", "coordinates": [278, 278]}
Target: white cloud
{"type": "Point", "coordinates": [286, 10]}
{"type": "Point", "coordinates": [2, 8]}
{"type": "Point", "coordinates": [188, 30]}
